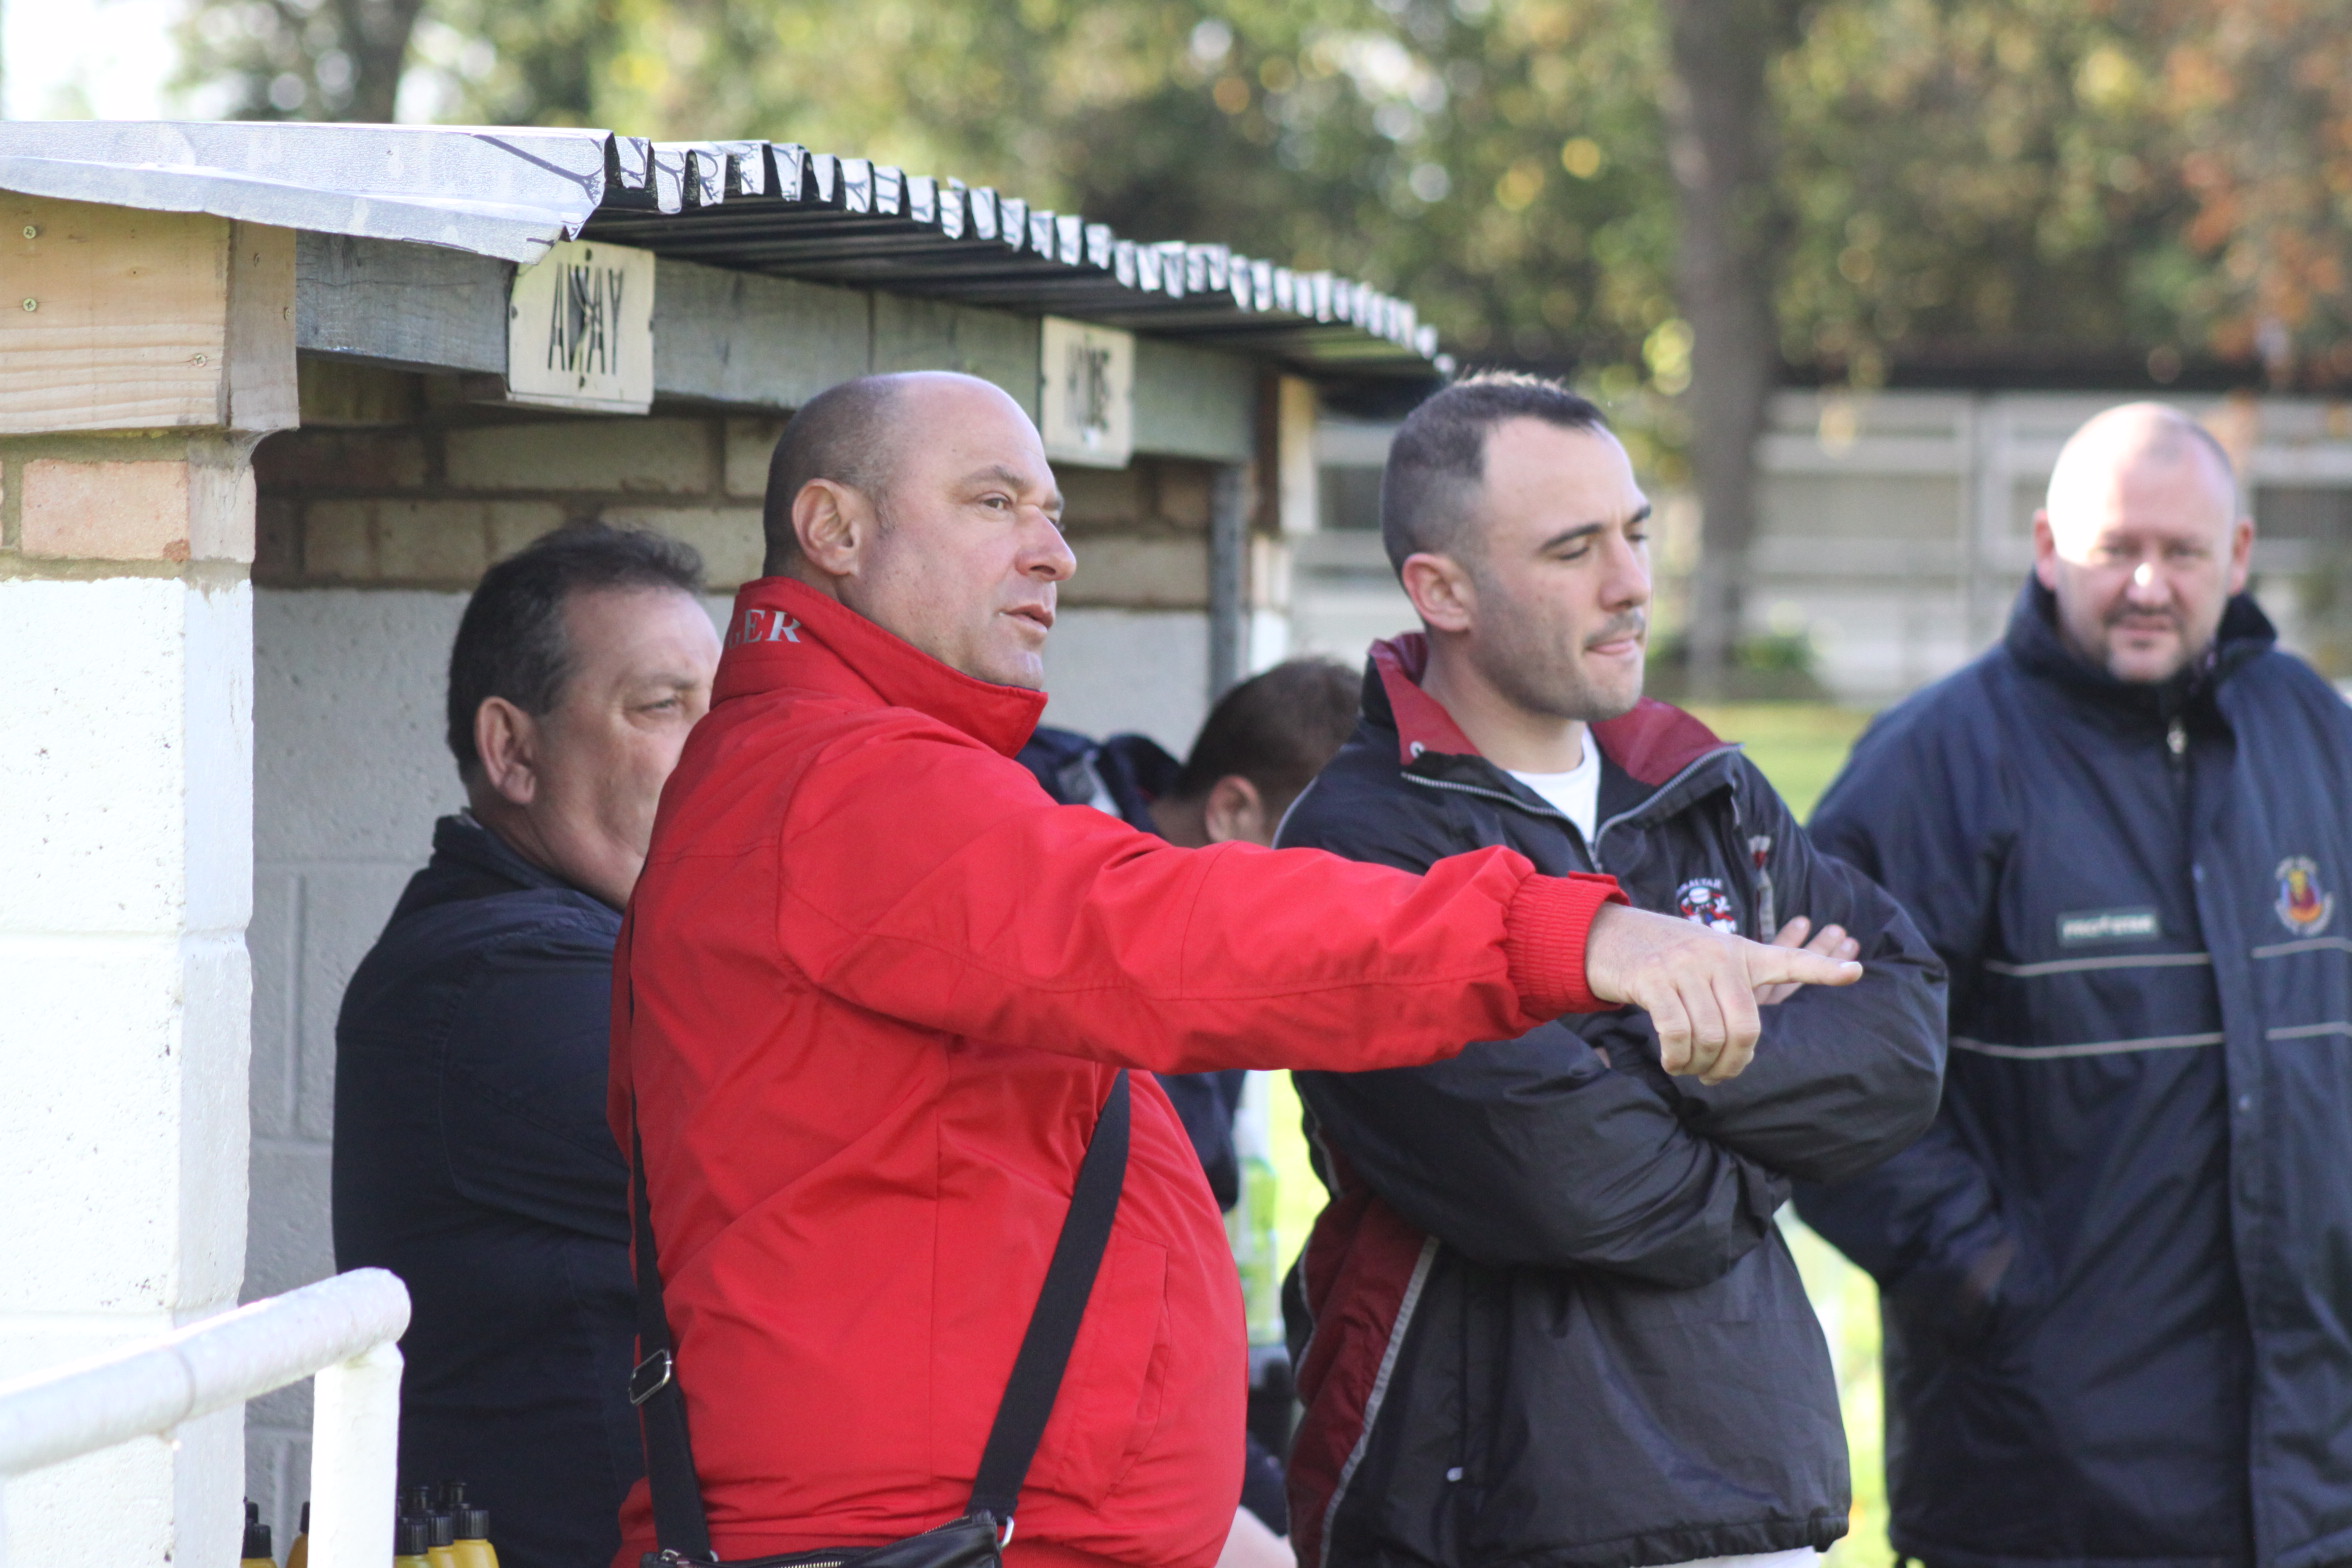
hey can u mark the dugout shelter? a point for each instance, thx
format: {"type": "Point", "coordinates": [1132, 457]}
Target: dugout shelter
{"type": "Point", "coordinates": [272, 397]}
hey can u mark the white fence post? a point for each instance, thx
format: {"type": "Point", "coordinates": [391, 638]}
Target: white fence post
{"type": "Point", "coordinates": [354, 1454]}
{"type": "Point", "coordinates": [344, 1330]}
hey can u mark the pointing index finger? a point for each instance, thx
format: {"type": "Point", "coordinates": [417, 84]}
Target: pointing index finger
{"type": "Point", "coordinates": [1785, 965]}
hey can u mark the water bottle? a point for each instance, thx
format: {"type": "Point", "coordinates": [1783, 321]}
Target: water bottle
{"type": "Point", "coordinates": [1250, 1226]}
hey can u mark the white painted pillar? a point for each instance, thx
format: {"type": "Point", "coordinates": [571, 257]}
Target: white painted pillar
{"type": "Point", "coordinates": [149, 351]}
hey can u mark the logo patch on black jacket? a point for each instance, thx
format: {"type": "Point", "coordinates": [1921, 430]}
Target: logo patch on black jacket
{"type": "Point", "coordinates": [1704, 900]}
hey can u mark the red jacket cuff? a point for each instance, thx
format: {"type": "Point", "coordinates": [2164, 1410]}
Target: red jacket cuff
{"type": "Point", "coordinates": [1544, 933]}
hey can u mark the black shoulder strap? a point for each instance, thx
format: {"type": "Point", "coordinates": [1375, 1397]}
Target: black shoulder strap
{"type": "Point", "coordinates": [1053, 1323]}
{"type": "Point", "coordinates": [679, 1522]}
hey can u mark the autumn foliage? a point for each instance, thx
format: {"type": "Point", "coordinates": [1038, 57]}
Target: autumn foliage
{"type": "Point", "coordinates": [2095, 189]}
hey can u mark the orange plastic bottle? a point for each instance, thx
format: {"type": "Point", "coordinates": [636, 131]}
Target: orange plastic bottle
{"type": "Point", "coordinates": [298, 1555]}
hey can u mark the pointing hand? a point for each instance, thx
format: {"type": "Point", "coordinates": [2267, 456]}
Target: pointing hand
{"type": "Point", "coordinates": [1700, 987]}
{"type": "Point", "coordinates": [1831, 942]}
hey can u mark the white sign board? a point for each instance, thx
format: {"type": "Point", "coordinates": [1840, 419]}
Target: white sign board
{"type": "Point", "coordinates": [1087, 401]}
{"type": "Point", "coordinates": [579, 329]}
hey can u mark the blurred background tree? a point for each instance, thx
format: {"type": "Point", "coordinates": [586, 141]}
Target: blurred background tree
{"type": "Point", "coordinates": [1683, 205]}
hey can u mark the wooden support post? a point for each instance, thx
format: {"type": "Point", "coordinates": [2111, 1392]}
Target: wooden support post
{"type": "Point", "coordinates": [1292, 458]}
{"type": "Point", "coordinates": [1228, 555]}
{"type": "Point", "coordinates": [127, 320]}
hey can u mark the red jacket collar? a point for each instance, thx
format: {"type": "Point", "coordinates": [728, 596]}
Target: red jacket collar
{"type": "Point", "coordinates": [785, 634]}
{"type": "Point", "coordinates": [1652, 743]}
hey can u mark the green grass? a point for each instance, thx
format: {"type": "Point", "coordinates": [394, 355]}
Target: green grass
{"type": "Point", "coordinates": [1800, 747]}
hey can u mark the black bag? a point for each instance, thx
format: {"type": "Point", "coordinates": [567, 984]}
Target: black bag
{"type": "Point", "coordinates": [977, 1539]}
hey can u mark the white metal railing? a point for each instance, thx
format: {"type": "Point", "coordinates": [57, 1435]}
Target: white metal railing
{"type": "Point", "coordinates": [341, 1330]}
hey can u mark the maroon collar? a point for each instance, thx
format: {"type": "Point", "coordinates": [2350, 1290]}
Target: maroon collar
{"type": "Point", "coordinates": [1422, 723]}
{"type": "Point", "coordinates": [783, 634]}
{"type": "Point", "coordinates": [1652, 743]}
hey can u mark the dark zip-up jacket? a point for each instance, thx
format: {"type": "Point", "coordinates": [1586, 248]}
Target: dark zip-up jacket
{"type": "Point", "coordinates": [473, 1159]}
{"type": "Point", "coordinates": [1553, 1322]}
{"type": "Point", "coordinates": [2118, 1271]}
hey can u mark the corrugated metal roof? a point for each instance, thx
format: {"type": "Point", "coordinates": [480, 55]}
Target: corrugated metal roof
{"type": "Point", "coordinates": [772, 207]}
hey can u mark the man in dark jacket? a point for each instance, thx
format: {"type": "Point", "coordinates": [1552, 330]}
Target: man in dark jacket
{"type": "Point", "coordinates": [1552, 1318]}
{"type": "Point", "coordinates": [472, 1157]}
{"type": "Point", "coordinates": [2117, 1273]}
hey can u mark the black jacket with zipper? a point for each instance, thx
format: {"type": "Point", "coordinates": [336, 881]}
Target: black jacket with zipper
{"type": "Point", "coordinates": [1551, 1320]}
{"type": "Point", "coordinates": [473, 1159]}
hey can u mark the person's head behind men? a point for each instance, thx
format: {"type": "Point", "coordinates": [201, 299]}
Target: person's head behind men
{"type": "Point", "coordinates": [1261, 746]}
{"type": "Point", "coordinates": [580, 664]}
{"type": "Point", "coordinates": [923, 501]}
{"type": "Point", "coordinates": [1514, 522]}
{"type": "Point", "coordinates": [2142, 541]}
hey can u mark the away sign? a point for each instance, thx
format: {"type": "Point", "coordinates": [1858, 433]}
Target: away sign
{"type": "Point", "coordinates": [579, 329]}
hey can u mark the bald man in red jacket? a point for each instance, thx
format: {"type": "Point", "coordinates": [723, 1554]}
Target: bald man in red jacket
{"type": "Point", "coordinates": [876, 985]}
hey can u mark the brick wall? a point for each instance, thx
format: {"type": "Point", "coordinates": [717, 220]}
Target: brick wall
{"type": "Point", "coordinates": [431, 506]}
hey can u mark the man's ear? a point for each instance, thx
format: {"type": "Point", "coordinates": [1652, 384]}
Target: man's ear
{"type": "Point", "coordinates": [2241, 558]}
{"type": "Point", "coordinates": [507, 740]}
{"type": "Point", "coordinates": [1441, 591]}
{"type": "Point", "coordinates": [833, 523]}
{"type": "Point", "coordinates": [1235, 810]}
{"type": "Point", "coordinates": [2045, 550]}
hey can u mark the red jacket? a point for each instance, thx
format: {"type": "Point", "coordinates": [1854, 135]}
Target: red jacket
{"type": "Point", "coordinates": [873, 991]}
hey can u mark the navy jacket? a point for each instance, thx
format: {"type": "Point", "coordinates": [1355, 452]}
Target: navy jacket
{"type": "Point", "coordinates": [2118, 1271]}
{"type": "Point", "coordinates": [1554, 1324]}
{"type": "Point", "coordinates": [473, 1159]}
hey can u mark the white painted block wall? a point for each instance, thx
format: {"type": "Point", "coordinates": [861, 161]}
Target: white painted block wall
{"type": "Point", "coordinates": [125, 884]}
{"type": "Point", "coordinates": [1139, 670]}
{"type": "Point", "coordinates": [349, 774]}
{"type": "Point", "coordinates": [350, 771]}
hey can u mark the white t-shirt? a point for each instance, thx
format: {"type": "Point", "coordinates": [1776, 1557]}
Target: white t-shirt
{"type": "Point", "coordinates": [1794, 1557]}
{"type": "Point", "coordinates": [1575, 794]}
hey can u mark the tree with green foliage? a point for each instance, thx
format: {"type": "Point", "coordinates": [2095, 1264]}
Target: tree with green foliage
{"type": "Point", "coordinates": [1683, 203]}
{"type": "Point", "coordinates": [1498, 158]}
{"type": "Point", "coordinates": [303, 59]}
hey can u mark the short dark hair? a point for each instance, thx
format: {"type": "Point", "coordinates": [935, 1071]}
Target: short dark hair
{"type": "Point", "coordinates": [1439, 454]}
{"type": "Point", "coordinates": [512, 642]}
{"type": "Point", "coordinates": [842, 434]}
{"type": "Point", "coordinates": [1276, 730]}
